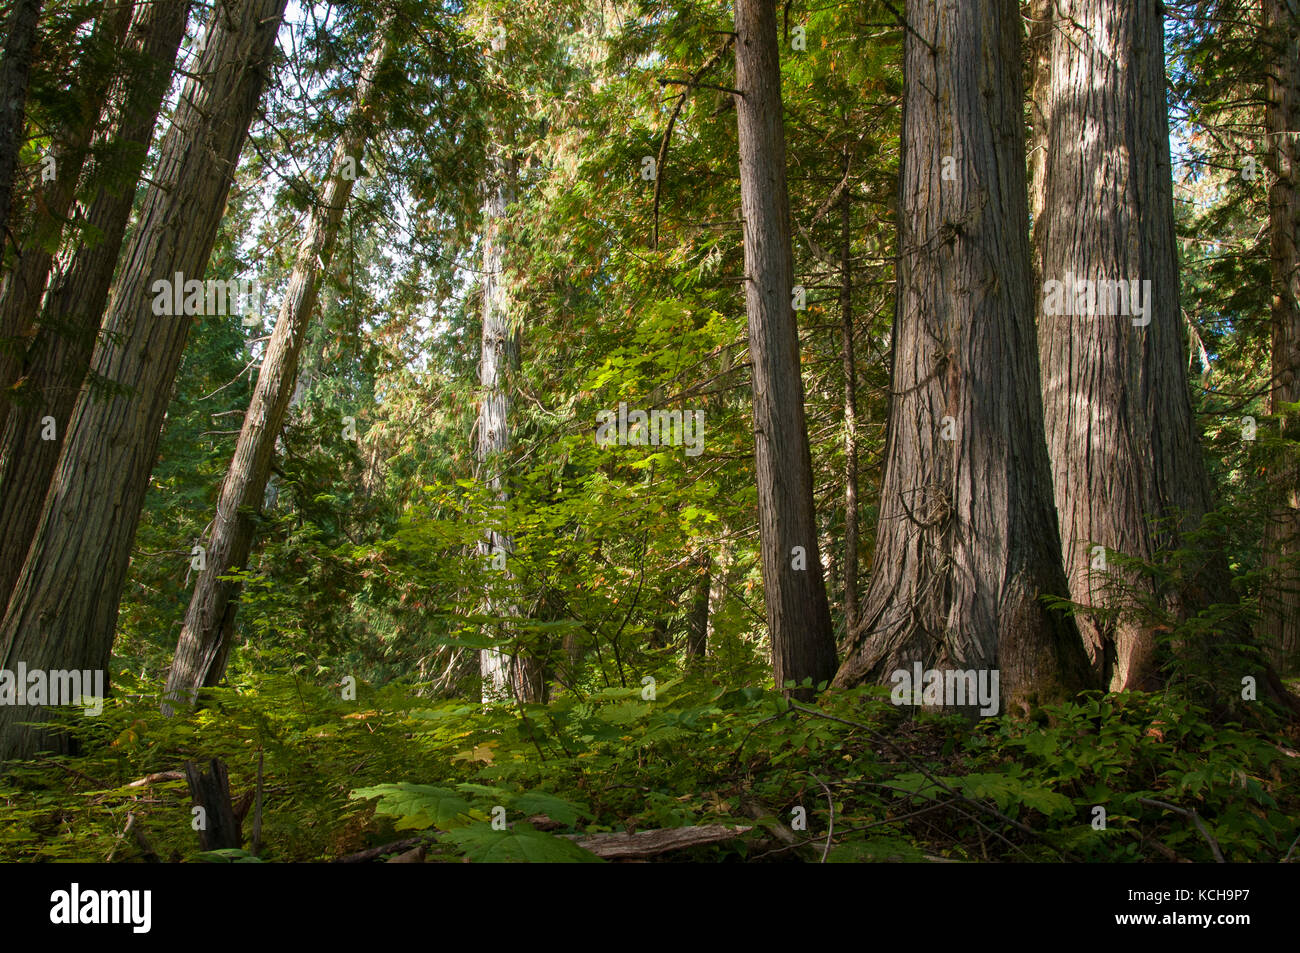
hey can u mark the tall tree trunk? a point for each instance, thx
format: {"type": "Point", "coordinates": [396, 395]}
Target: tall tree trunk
{"type": "Point", "coordinates": [967, 541]}
{"type": "Point", "coordinates": [63, 610]}
{"type": "Point", "coordinates": [1280, 626]}
{"type": "Point", "coordinates": [498, 355]}
{"type": "Point", "coordinates": [1119, 424]}
{"type": "Point", "coordinates": [59, 356]}
{"type": "Point", "coordinates": [798, 615]}
{"type": "Point", "coordinates": [850, 407]}
{"type": "Point", "coordinates": [20, 296]}
{"type": "Point", "coordinates": [15, 72]}
{"type": "Point", "coordinates": [502, 674]}
{"type": "Point", "coordinates": [204, 643]}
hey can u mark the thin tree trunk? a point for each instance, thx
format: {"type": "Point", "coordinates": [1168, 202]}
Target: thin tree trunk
{"type": "Point", "coordinates": [59, 356]}
{"type": "Point", "coordinates": [697, 622]}
{"type": "Point", "coordinates": [15, 72]}
{"type": "Point", "coordinates": [1280, 625]}
{"type": "Point", "coordinates": [63, 610]}
{"type": "Point", "coordinates": [798, 615]}
{"type": "Point", "coordinates": [1038, 49]}
{"type": "Point", "coordinates": [20, 296]}
{"type": "Point", "coordinates": [1125, 458]}
{"type": "Point", "coordinates": [967, 541]}
{"type": "Point", "coordinates": [204, 643]}
{"type": "Point", "coordinates": [719, 579]}
{"type": "Point", "coordinates": [850, 409]}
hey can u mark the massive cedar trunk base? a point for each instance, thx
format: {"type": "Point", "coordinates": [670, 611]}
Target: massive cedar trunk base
{"type": "Point", "coordinates": [63, 610]}
{"type": "Point", "coordinates": [1280, 625]}
{"type": "Point", "coordinates": [59, 355]}
{"type": "Point", "coordinates": [798, 615]}
{"type": "Point", "coordinates": [967, 540]}
{"type": "Point", "coordinates": [204, 643]}
{"type": "Point", "coordinates": [1127, 469]}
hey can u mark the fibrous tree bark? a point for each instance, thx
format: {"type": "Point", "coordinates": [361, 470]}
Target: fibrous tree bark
{"type": "Point", "coordinates": [503, 674]}
{"type": "Point", "coordinates": [967, 541]}
{"type": "Point", "coordinates": [20, 295]}
{"type": "Point", "coordinates": [1127, 469]}
{"type": "Point", "coordinates": [798, 615]}
{"type": "Point", "coordinates": [63, 610]}
{"type": "Point", "coordinates": [205, 638]}
{"type": "Point", "coordinates": [59, 355]}
{"type": "Point", "coordinates": [1280, 623]}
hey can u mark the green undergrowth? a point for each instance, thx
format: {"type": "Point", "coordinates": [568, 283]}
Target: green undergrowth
{"type": "Point", "coordinates": [342, 776]}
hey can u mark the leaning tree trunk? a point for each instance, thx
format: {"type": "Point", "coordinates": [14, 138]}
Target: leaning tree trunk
{"type": "Point", "coordinates": [20, 296]}
{"type": "Point", "coordinates": [59, 355]}
{"type": "Point", "coordinates": [1280, 625]}
{"type": "Point", "coordinates": [798, 616]}
{"type": "Point", "coordinates": [63, 610]}
{"type": "Point", "coordinates": [967, 541]}
{"type": "Point", "coordinates": [205, 638]}
{"type": "Point", "coordinates": [1127, 466]}
{"type": "Point", "coordinates": [15, 72]}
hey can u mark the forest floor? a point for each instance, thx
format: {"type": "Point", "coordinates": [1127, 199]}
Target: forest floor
{"type": "Point", "coordinates": [1128, 777]}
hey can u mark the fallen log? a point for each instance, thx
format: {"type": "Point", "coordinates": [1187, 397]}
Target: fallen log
{"type": "Point", "coordinates": [156, 777]}
{"type": "Point", "coordinates": [374, 853]}
{"type": "Point", "coordinates": [413, 856]}
{"type": "Point", "coordinates": [618, 845]}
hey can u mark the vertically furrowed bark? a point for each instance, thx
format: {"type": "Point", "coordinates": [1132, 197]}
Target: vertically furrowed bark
{"type": "Point", "coordinates": [967, 539]}
{"type": "Point", "coordinates": [502, 674]}
{"type": "Point", "coordinates": [1280, 625]}
{"type": "Point", "coordinates": [20, 295]}
{"type": "Point", "coordinates": [59, 355]}
{"type": "Point", "coordinates": [498, 352]}
{"type": "Point", "coordinates": [850, 409]}
{"type": "Point", "coordinates": [204, 643]}
{"type": "Point", "coordinates": [1127, 468]}
{"type": "Point", "coordinates": [63, 610]}
{"type": "Point", "coordinates": [798, 615]}
{"type": "Point", "coordinates": [15, 72]}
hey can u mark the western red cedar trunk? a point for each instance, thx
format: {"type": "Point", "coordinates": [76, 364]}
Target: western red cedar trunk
{"type": "Point", "coordinates": [15, 72]}
{"type": "Point", "coordinates": [20, 296]}
{"type": "Point", "coordinates": [1126, 464]}
{"type": "Point", "coordinates": [850, 407]}
{"type": "Point", "coordinates": [967, 542]}
{"type": "Point", "coordinates": [1280, 625]}
{"type": "Point", "coordinates": [501, 673]}
{"type": "Point", "coordinates": [798, 616]}
{"type": "Point", "coordinates": [204, 643]}
{"type": "Point", "coordinates": [60, 352]}
{"type": "Point", "coordinates": [63, 610]}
